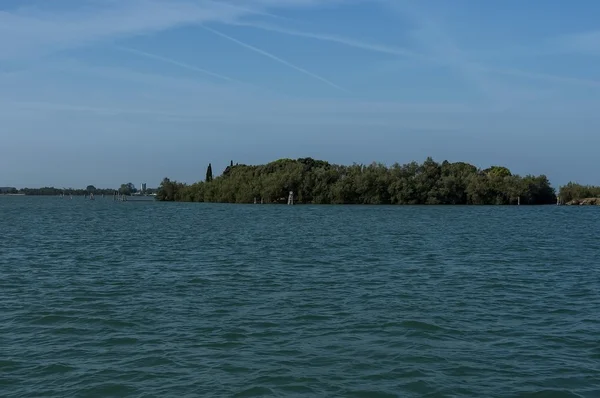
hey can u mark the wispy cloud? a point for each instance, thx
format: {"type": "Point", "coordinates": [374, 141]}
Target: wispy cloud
{"type": "Point", "coordinates": [438, 48]}
{"type": "Point", "coordinates": [275, 58]}
{"type": "Point", "coordinates": [177, 63]}
{"type": "Point", "coordinates": [433, 36]}
{"type": "Point", "coordinates": [579, 43]}
{"type": "Point", "coordinates": [374, 47]}
{"type": "Point", "coordinates": [159, 84]}
{"type": "Point", "coordinates": [323, 113]}
{"type": "Point", "coordinates": [587, 43]}
{"type": "Point", "coordinates": [434, 58]}
{"type": "Point", "coordinates": [438, 43]}
{"type": "Point", "coordinates": [27, 32]}
{"type": "Point", "coordinates": [250, 11]}
{"type": "Point", "coordinates": [545, 77]}
{"type": "Point", "coordinates": [58, 89]}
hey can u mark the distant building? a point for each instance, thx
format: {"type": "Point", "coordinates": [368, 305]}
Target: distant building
{"type": "Point", "coordinates": [143, 187]}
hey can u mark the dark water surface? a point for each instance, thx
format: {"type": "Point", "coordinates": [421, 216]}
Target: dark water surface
{"type": "Point", "coordinates": [101, 298]}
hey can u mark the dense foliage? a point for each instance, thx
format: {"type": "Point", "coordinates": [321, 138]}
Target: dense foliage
{"type": "Point", "coordinates": [319, 182]}
{"type": "Point", "coordinates": [8, 190]}
{"type": "Point", "coordinates": [127, 189]}
{"type": "Point", "coordinates": [573, 191]}
{"type": "Point", "coordinates": [209, 173]}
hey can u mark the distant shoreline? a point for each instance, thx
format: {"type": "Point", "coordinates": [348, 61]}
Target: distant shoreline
{"type": "Point", "coordinates": [125, 189]}
{"type": "Point", "coordinates": [152, 198]}
{"type": "Point", "coordinates": [128, 197]}
{"type": "Point", "coordinates": [318, 182]}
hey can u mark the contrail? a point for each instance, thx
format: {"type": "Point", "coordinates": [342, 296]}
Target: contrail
{"type": "Point", "coordinates": [275, 58]}
{"type": "Point", "coordinates": [392, 50]}
{"type": "Point", "coordinates": [380, 48]}
{"type": "Point", "coordinates": [180, 64]}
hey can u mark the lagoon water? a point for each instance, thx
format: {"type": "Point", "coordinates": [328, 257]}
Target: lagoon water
{"type": "Point", "coordinates": [111, 299]}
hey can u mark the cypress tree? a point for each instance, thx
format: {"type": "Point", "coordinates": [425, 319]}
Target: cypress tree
{"type": "Point", "coordinates": [209, 174]}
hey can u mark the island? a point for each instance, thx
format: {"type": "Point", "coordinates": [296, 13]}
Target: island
{"type": "Point", "coordinates": [310, 181]}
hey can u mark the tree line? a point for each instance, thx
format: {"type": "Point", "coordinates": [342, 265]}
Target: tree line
{"type": "Point", "coordinates": [319, 182]}
{"type": "Point", "coordinates": [52, 191]}
{"type": "Point", "coordinates": [124, 189]}
{"type": "Point", "coordinates": [573, 191]}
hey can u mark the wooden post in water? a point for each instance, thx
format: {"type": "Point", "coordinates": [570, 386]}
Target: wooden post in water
{"type": "Point", "coordinates": [255, 200]}
{"type": "Point", "coordinates": [291, 198]}
{"type": "Point", "coordinates": [519, 201]}
{"type": "Point", "coordinates": [557, 200]}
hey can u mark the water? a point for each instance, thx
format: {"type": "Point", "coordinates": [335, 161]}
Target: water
{"type": "Point", "coordinates": [99, 298]}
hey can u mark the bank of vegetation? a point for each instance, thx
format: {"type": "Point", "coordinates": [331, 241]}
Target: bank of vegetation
{"type": "Point", "coordinates": [125, 189]}
{"type": "Point", "coordinates": [575, 194]}
{"type": "Point", "coordinates": [319, 182]}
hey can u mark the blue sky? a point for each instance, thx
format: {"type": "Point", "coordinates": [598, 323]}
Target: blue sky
{"type": "Point", "coordinates": [110, 91]}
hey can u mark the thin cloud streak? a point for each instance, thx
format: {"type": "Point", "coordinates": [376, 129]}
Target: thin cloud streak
{"type": "Point", "coordinates": [32, 32]}
{"type": "Point", "coordinates": [373, 47]}
{"type": "Point", "coordinates": [248, 10]}
{"type": "Point", "coordinates": [29, 32]}
{"type": "Point", "coordinates": [177, 63]}
{"type": "Point", "coordinates": [545, 76]}
{"type": "Point", "coordinates": [293, 116]}
{"type": "Point", "coordinates": [275, 58]}
{"type": "Point", "coordinates": [392, 50]}
{"type": "Point", "coordinates": [436, 40]}
{"type": "Point", "coordinates": [439, 41]}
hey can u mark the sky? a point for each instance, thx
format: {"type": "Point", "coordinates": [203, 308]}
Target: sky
{"type": "Point", "coordinates": [105, 92]}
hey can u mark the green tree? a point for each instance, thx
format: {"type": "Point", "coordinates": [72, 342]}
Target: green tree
{"type": "Point", "coordinates": [127, 189]}
{"type": "Point", "coordinates": [574, 191]}
{"type": "Point", "coordinates": [170, 191]}
{"type": "Point", "coordinates": [498, 171]}
{"type": "Point", "coordinates": [209, 173]}
{"type": "Point", "coordinates": [319, 182]}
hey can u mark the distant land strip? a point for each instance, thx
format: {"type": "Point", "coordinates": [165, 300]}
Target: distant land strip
{"type": "Point", "coordinates": [313, 181]}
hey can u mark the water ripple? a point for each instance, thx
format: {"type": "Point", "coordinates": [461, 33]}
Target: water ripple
{"type": "Point", "coordinates": [154, 300]}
